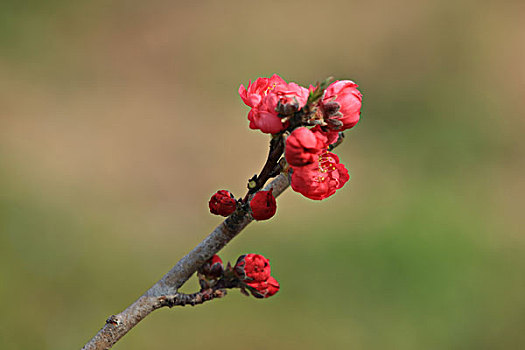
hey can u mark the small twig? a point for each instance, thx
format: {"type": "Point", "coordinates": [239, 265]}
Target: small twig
{"type": "Point", "coordinates": [267, 172]}
{"type": "Point", "coordinates": [181, 299]}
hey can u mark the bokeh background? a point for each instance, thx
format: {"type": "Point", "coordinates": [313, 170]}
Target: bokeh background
{"type": "Point", "coordinates": [119, 119]}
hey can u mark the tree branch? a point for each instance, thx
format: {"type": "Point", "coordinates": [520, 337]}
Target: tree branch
{"type": "Point", "coordinates": [164, 292]}
{"type": "Point", "coordinates": [156, 297]}
{"type": "Point", "coordinates": [276, 151]}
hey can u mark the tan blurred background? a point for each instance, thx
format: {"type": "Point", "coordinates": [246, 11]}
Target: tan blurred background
{"type": "Point", "coordinates": [119, 119]}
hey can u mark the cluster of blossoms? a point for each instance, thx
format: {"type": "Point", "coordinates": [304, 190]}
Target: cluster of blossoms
{"type": "Point", "coordinates": [279, 107]}
{"type": "Point", "coordinates": [310, 121]}
{"type": "Point", "coordinates": [272, 100]}
{"type": "Point", "coordinates": [305, 124]}
{"type": "Point", "coordinates": [252, 273]}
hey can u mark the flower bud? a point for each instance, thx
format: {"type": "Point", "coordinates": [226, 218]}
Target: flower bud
{"type": "Point", "coordinates": [264, 289]}
{"type": "Point", "coordinates": [222, 203]}
{"type": "Point", "coordinates": [253, 267]}
{"type": "Point", "coordinates": [212, 268]}
{"type": "Point", "coordinates": [263, 205]}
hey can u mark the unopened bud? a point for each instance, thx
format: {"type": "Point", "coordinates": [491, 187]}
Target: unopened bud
{"type": "Point", "coordinates": [212, 268]}
{"type": "Point", "coordinates": [263, 205]}
{"type": "Point", "coordinates": [222, 203]}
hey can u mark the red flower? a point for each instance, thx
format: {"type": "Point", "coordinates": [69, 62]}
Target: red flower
{"type": "Point", "coordinates": [264, 289]}
{"type": "Point", "coordinates": [253, 267]}
{"type": "Point", "coordinates": [320, 179]}
{"type": "Point", "coordinates": [265, 95]}
{"type": "Point", "coordinates": [342, 105]}
{"type": "Point", "coordinates": [304, 145]}
{"type": "Point", "coordinates": [222, 203]}
{"type": "Point", "coordinates": [263, 205]}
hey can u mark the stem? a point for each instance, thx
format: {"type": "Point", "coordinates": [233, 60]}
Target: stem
{"type": "Point", "coordinates": [268, 170]}
{"type": "Point", "coordinates": [201, 297]}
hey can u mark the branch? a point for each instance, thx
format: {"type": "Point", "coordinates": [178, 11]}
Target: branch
{"type": "Point", "coordinates": [192, 299]}
{"type": "Point", "coordinates": [164, 292]}
{"type": "Point", "coordinates": [156, 297]}
{"type": "Point", "coordinates": [276, 151]}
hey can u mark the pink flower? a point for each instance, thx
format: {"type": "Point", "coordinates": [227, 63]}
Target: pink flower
{"type": "Point", "coordinates": [264, 289]}
{"type": "Point", "coordinates": [342, 105]}
{"type": "Point", "coordinates": [266, 96]}
{"type": "Point", "coordinates": [263, 205]}
{"type": "Point", "coordinates": [222, 203]}
{"type": "Point", "coordinates": [321, 179]}
{"type": "Point", "coordinates": [253, 95]}
{"type": "Point", "coordinates": [304, 145]}
{"type": "Point", "coordinates": [253, 267]}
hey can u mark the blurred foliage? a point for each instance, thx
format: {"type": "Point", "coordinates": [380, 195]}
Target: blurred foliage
{"type": "Point", "coordinates": [119, 119]}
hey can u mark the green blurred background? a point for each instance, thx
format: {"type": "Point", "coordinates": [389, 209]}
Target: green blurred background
{"type": "Point", "coordinates": [119, 119]}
